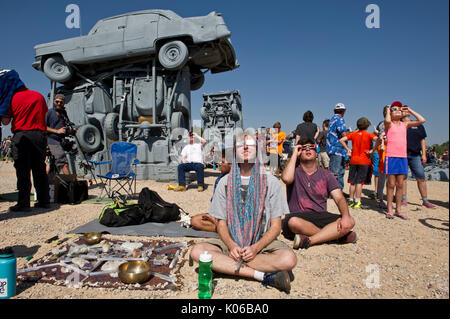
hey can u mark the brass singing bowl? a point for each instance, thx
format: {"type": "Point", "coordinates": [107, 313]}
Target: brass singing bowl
{"type": "Point", "coordinates": [136, 271]}
{"type": "Point", "coordinates": [92, 238]}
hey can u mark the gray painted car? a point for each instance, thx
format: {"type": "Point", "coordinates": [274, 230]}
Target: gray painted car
{"type": "Point", "coordinates": [222, 111]}
{"type": "Point", "coordinates": [200, 42]}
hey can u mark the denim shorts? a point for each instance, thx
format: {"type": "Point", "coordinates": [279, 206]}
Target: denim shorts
{"type": "Point", "coordinates": [415, 164]}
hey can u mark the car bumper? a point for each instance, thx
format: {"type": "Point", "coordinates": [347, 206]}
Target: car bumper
{"type": "Point", "coordinates": [37, 64]}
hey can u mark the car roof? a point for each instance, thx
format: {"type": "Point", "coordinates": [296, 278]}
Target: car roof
{"type": "Point", "coordinates": [167, 13]}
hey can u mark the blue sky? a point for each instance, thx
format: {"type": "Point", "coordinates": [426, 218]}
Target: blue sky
{"type": "Point", "coordinates": [294, 55]}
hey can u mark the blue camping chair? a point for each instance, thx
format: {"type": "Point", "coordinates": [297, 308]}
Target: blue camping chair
{"type": "Point", "coordinates": [122, 176]}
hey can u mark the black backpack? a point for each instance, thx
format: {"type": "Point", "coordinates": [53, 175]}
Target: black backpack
{"type": "Point", "coordinates": [150, 208]}
{"type": "Point", "coordinates": [154, 206]}
{"type": "Point", "coordinates": [72, 192]}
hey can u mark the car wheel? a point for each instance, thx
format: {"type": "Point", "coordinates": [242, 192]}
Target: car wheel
{"type": "Point", "coordinates": [197, 81]}
{"type": "Point", "coordinates": [111, 126]}
{"type": "Point", "coordinates": [89, 138]}
{"type": "Point", "coordinates": [56, 69]}
{"type": "Point", "coordinates": [173, 55]}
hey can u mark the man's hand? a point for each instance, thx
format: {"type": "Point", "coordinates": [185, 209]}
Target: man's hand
{"type": "Point", "coordinates": [424, 158]}
{"type": "Point", "coordinates": [236, 252]}
{"type": "Point", "coordinates": [62, 130]}
{"type": "Point", "coordinates": [296, 151]}
{"type": "Point", "coordinates": [249, 253]}
{"type": "Point", "coordinates": [345, 224]}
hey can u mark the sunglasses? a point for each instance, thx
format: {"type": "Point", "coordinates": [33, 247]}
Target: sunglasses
{"type": "Point", "coordinates": [308, 147]}
{"type": "Point", "coordinates": [59, 102]}
{"type": "Point", "coordinates": [395, 108]}
{"type": "Point", "coordinates": [250, 142]}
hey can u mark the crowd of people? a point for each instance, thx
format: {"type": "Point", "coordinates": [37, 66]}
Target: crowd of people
{"type": "Point", "coordinates": [250, 208]}
{"type": "Point", "coordinates": [248, 203]}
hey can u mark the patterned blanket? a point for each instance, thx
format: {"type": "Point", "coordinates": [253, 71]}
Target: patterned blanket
{"type": "Point", "coordinates": [166, 270]}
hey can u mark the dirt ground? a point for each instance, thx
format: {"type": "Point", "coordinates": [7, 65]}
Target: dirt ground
{"type": "Point", "coordinates": [392, 258]}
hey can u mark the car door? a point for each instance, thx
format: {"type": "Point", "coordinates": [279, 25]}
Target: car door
{"type": "Point", "coordinates": [105, 40]}
{"type": "Point", "coordinates": [141, 33]}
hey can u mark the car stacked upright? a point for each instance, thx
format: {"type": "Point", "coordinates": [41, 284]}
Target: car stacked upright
{"type": "Point", "coordinates": [130, 79]}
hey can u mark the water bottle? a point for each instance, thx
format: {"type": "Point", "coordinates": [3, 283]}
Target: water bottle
{"type": "Point", "coordinates": [8, 272]}
{"type": "Point", "coordinates": [205, 276]}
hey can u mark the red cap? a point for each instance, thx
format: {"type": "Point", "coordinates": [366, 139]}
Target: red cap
{"type": "Point", "coordinates": [397, 103]}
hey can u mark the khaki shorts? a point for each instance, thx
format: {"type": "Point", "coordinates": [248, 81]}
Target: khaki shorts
{"type": "Point", "coordinates": [324, 160]}
{"type": "Point", "coordinates": [273, 246]}
{"type": "Point", "coordinates": [59, 154]}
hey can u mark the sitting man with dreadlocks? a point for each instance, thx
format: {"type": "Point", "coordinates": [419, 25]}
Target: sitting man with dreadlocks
{"type": "Point", "coordinates": [308, 188]}
{"type": "Point", "coordinates": [249, 204]}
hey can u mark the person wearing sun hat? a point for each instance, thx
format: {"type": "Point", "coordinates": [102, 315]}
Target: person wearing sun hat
{"type": "Point", "coordinates": [337, 129]}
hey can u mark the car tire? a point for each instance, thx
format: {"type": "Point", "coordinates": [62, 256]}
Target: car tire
{"type": "Point", "coordinates": [56, 69]}
{"type": "Point", "coordinates": [197, 81]}
{"type": "Point", "coordinates": [89, 138]}
{"type": "Point", "coordinates": [111, 126]}
{"type": "Point", "coordinates": [173, 55]}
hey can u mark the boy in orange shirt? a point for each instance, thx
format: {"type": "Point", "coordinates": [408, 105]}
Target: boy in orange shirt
{"type": "Point", "coordinates": [360, 163]}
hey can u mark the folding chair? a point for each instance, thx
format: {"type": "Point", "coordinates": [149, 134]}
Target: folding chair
{"type": "Point", "coordinates": [122, 176]}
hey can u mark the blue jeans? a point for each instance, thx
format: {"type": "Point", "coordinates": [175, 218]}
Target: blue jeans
{"type": "Point", "coordinates": [416, 166]}
{"type": "Point", "coordinates": [187, 167]}
{"type": "Point", "coordinates": [337, 167]}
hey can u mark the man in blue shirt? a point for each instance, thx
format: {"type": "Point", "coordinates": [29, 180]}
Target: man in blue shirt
{"type": "Point", "coordinates": [336, 130]}
{"type": "Point", "coordinates": [56, 131]}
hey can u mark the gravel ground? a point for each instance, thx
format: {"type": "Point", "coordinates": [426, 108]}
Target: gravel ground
{"type": "Point", "coordinates": [409, 258]}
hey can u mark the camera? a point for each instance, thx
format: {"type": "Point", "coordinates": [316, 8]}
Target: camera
{"type": "Point", "coordinates": [67, 144]}
{"type": "Point", "coordinates": [70, 127]}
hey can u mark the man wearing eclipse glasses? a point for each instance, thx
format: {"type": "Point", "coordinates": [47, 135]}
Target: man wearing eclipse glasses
{"type": "Point", "coordinates": [308, 188]}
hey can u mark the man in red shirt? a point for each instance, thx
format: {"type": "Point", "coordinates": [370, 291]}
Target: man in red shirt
{"type": "Point", "coordinates": [26, 111]}
{"type": "Point", "coordinates": [360, 164]}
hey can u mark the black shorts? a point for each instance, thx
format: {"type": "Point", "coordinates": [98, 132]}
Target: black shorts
{"type": "Point", "coordinates": [319, 219]}
{"type": "Point", "coordinates": [360, 174]}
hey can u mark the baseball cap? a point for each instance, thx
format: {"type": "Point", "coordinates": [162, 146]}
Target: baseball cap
{"type": "Point", "coordinates": [397, 103]}
{"type": "Point", "coordinates": [339, 106]}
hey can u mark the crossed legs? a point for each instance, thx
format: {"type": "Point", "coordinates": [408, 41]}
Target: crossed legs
{"type": "Point", "coordinates": [281, 259]}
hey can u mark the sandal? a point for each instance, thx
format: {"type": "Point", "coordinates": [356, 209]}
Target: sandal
{"type": "Point", "coordinates": [389, 216]}
{"type": "Point", "coordinates": [401, 215]}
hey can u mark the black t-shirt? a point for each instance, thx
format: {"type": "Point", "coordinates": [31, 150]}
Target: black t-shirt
{"type": "Point", "coordinates": [414, 135]}
{"type": "Point", "coordinates": [322, 138]}
{"type": "Point", "coordinates": [306, 130]}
